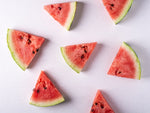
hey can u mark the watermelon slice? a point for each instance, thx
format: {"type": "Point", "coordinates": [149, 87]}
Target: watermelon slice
{"type": "Point", "coordinates": [100, 105]}
{"type": "Point", "coordinates": [117, 9]}
{"type": "Point", "coordinates": [45, 93]}
{"type": "Point", "coordinates": [126, 63]}
{"type": "Point", "coordinates": [76, 56]}
{"type": "Point", "coordinates": [23, 46]}
{"type": "Point", "coordinates": [62, 12]}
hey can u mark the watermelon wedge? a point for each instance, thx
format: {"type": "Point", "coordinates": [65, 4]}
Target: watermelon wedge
{"type": "Point", "coordinates": [117, 9]}
{"type": "Point", "coordinates": [100, 105]}
{"type": "Point", "coordinates": [63, 13]}
{"type": "Point", "coordinates": [23, 46]}
{"type": "Point", "coordinates": [45, 93]}
{"type": "Point", "coordinates": [76, 56]}
{"type": "Point", "coordinates": [126, 63]}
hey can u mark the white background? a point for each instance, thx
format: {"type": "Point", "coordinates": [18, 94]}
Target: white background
{"type": "Point", "coordinates": [91, 23]}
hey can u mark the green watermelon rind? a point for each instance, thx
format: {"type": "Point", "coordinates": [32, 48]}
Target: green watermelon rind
{"type": "Point", "coordinates": [135, 58]}
{"type": "Point", "coordinates": [71, 15]}
{"type": "Point", "coordinates": [72, 65]}
{"type": "Point", "coordinates": [11, 49]}
{"type": "Point", "coordinates": [124, 12]}
{"type": "Point", "coordinates": [47, 103]}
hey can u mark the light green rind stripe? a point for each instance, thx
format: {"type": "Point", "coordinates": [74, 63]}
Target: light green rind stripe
{"type": "Point", "coordinates": [124, 12]}
{"type": "Point", "coordinates": [73, 66]}
{"type": "Point", "coordinates": [135, 57]}
{"type": "Point", "coordinates": [11, 49]}
{"type": "Point", "coordinates": [71, 15]}
{"type": "Point", "coordinates": [48, 103]}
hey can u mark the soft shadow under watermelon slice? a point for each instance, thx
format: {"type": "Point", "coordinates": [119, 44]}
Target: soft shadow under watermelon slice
{"type": "Point", "coordinates": [126, 63]}
{"type": "Point", "coordinates": [100, 105]}
{"type": "Point", "coordinates": [45, 93]}
{"type": "Point", "coordinates": [23, 46]}
{"type": "Point", "coordinates": [76, 56]}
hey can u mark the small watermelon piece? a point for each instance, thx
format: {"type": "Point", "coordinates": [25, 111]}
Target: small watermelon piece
{"type": "Point", "coordinates": [117, 9]}
{"type": "Point", "coordinates": [76, 56]}
{"type": "Point", "coordinates": [23, 46]}
{"type": "Point", "coordinates": [126, 63]}
{"type": "Point", "coordinates": [62, 12]}
{"type": "Point", "coordinates": [100, 105]}
{"type": "Point", "coordinates": [45, 93]}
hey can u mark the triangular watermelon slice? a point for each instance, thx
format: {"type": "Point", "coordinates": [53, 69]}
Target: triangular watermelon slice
{"type": "Point", "coordinates": [23, 46]}
{"type": "Point", "coordinates": [117, 9]}
{"type": "Point", "coordinates": [76, 56]}
{"type": "Point", "coordinates": [100, 105]}
{"type": "Point", "coordinates": [62, 12]}
{"type": "Point", "coordinates": [45, 93]}
{"type": "Point", "coordinates": [126, 63]}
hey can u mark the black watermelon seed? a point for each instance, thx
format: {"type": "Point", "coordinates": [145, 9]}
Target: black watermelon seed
{"type": "Point", "coordinates": [59, 8]}
{"type": "Point", "coordinates": [33, 52]}
{"type": "Point", "coordinates": [96, 103]}
{"type": "Point", "coordinates": [119, 72]}
{"type": "Point", "coordinates": [85, 51]}
{"type": "Point", "coordinates": [21, 37]}
{"type": "Point", "coordinates": [29, 41]}
{"type": "Point", "coordinates": [38, 91]}
{"type": "Point", "coordinates": [92, 110]}
{"type": "Point", "coordinates": [37, 50]}
{"type": "Point", "coordinates": [102, 106]}
{"type": "Point", "coordinates": [82, 56]}
{"type": "Point", "coordinates": [112, 5]}
{"type": "Point", "coordinates": [45, 87]}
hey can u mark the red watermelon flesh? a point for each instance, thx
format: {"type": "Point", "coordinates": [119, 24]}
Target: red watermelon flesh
{"type": "Point", "coordinates": [45, 93]}
{"type": "Point", "coordinates": [117, 9]}
{"type": "Point", "coordinates": [76, 56]}
{"type": "Point", "coordinates": [62, 12]}
{"type": "Point", "coordinates": [23, 46]}
{"type": "Point", "coordinates": [126, 63]}
{"type": "Point", "coordinates": [100, 105]}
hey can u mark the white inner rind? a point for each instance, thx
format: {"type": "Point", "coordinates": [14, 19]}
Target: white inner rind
{"type": "Point", "coordinates": [70, 15]}
{"type": "Point", "coordinates": [12, 50]}
{"type": "Point", "coordinates": [135, 60]}
{"type": "Point", "coordinates": [124, 11]}
{"type": "Point", "coordinates": [72, 65]}
{"type": "Point", "coordinates": [47, 103]}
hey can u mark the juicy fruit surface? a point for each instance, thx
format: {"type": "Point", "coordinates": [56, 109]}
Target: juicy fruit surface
{"type": "Point", "coordinates": [59, 12]}
{"type": "Point", "coordinates": [100, 105]}
{"type": "Point", "coordinates": [117, 9]}
{"type": "Point", "coordinates": [77, 55]}
{"type": "Point", "coordinates": [125, 64]}
{"type": "Point", "coordinates": [45, 92]}
{"type": "Point", "coordinates": [23, 46]}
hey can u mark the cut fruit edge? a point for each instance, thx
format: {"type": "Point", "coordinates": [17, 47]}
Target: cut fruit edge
{"type": "Point", "coordinates": [124, 11]}
{"type": "Point", "coordinates": [70, 15]}
{"type": "Point", "coordinates": [47, 103]}
{"type": "Point", "coordinates": [12, 50]}
{"type": "Point", "coordinates": [72, 65]}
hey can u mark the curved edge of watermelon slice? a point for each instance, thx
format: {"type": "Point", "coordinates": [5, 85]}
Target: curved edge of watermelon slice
{"type": "Point", "coordinates": [75, 68]}
{"type": "Point", "coordinates": [70, 15]}
{"type": "Point", "coordinates": [124, 12]}
{"type": "Point", "coordinates": [135, 58]}
{"type": "Point", "coordinates": [11, 49]}
{"type": "Point", "coordinates": [48, 103]}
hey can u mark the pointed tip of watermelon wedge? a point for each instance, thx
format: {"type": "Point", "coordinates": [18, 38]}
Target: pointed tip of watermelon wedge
{"type": "Point", "coordinates": [48, 103]}
{"type": "Point", "coordinates": [10, 46]}
{"type": "Point", "coordinates": [124, 12]}
{"type": "Point", "coordinates": [136, 60]}
{"type": "Point", "coordinates": [75, 68]}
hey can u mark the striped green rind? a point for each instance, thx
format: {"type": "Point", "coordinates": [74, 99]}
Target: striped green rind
{"type": "Point", "coordinates": [135, 58]}
{"type": "Point", "coordinates": [12, 51]}
{"type": "Point", "coordinates": [124, 12]}
{"type": "Point", "coordinates": [47, 103]}
{"type": "Point", "coordinates": [71, 15]}
{"type": "Point", "coordinates": [72, 65]}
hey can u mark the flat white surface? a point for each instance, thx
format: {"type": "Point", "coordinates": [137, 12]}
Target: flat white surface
{"type": "Point", "coordinates": [91, 23]}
